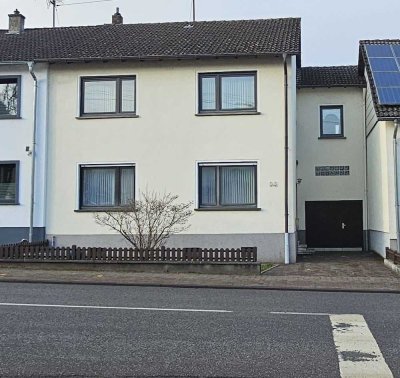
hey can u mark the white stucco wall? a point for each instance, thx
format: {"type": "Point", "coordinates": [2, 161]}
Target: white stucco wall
{"type": "Point", "coordinates": [168, 140]}
{"type": "Point", "coordinates": [312, 151]}
{"type": "Point", "coordinates": [16, 135]}
{"type": "Point", "coordinates": [381, 216]}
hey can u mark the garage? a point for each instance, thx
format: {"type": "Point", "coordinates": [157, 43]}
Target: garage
{"type": "Point", "coordinates": [334, 224]}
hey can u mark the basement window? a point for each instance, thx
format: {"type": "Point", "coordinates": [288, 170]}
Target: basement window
{"type": "Point", "coordinates": [9, 182]}
{"type": "Point", "coordinates": [108, 96]}
{"type": "Point", "coordinates": [9, 97]}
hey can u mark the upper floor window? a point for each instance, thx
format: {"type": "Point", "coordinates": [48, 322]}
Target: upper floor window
{"type": "Point", "coordinates": [108, 96]}
{"type": "Point", "coordinates": [227, 185]}
{"type": "Point", "coordinates": [106, 186]}
{"type": "Point", "coordinates": [9, 97]}
{"type": "Point", "coordinates": [331, 119]}
{"type": "Point", "coordinates": [227, 92]}
{"type": "Point", "coordinates": [8, 183]}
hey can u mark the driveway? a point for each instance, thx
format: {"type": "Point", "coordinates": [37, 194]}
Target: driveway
{"type": "Point", "coordinates": [339, 270]}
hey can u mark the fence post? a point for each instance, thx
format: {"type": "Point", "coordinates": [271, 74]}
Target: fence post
{"type": "Point", "coordinates": [73, 252]}
{"type": "Point", "coordinates": [255, 254]}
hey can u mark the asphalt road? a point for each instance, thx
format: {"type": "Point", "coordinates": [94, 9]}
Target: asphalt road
{"type": "Point", "coordinates": [137, 331]}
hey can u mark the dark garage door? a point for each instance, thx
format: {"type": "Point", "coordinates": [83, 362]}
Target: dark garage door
{"type": "Point", "coordinates": [334, 224]}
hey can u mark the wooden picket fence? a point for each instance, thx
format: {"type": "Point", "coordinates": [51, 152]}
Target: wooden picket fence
{"type": "Point", "coordinates": [44, 252]}
{"type": "Point", "coordinates": [393, 256]}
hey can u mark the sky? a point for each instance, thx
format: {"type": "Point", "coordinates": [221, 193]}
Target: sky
{"type": "Point", "coordinates": [331, 29]}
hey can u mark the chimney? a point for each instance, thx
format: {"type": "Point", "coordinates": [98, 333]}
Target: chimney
{"type": "Point", "coordinates": [16, 22]}
{"type": "Point", "coordinates": [117, 18]}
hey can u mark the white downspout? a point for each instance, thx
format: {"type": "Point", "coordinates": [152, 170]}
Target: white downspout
{"type": "Point", "coordinates": [396, 180]}
{"type": "Point", "coordinates": [287, 241]}
{"type": "Point", "coordinates": [33, 169]}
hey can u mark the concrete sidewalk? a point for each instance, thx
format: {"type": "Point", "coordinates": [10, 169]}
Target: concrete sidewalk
{"type": "Point", "coordinates": [344, 271]}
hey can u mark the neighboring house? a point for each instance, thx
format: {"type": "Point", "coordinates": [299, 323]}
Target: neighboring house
{"type": "Point", "coordinates": [220, 113]}
{"type": "Point", "coordinates": [17, 104]}
{"type": "Point", "coordinates": [379, 62]}
{"type": "Point", "coordinates": [331, 204]}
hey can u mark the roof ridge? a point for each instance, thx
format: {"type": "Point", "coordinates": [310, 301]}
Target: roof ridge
{"type": "Point", "coordinates": [162, 23]}
{"type": "Point", "coordinates": [364, 41]}
{"type": "Point", "coordinates": [168, 40]}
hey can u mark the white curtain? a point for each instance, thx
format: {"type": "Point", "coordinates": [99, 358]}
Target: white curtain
{"type": "Point", "coordinates": [237, 92]}
{"type": "Point", "coordinates": [237, 185]}
{"type": "Point", "coordinates": [208, 93]}
{"type": "Point", "coordinates": [99, 187]}
{"type": "Point", "coordinates": [100, 96]}
{"type": "Point", "coordinates": [331, 122]}
{"type": "Point", "coordinates": [128, 95]}
{"type": "Point", "coordinates": [127, 185]}
{"type": "Point", "coordinates": [208, 186]}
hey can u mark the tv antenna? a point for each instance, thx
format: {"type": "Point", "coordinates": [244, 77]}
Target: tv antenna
{"type": "Point", "coordinates": [58, 3]}
{"type": "Point", "coordinates": [194, 10]}
{"type": "Point", "coordinates": [54, 4]}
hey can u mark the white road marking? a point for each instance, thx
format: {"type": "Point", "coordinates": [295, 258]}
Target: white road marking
{"type": "Point", "coordinates": [299, 313]}
{"type": "Point", "coordinates": [114, 308]}
{"type": "Point", "coordinates": [358, 351]}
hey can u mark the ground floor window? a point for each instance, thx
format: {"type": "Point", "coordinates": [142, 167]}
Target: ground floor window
{"type": "Point", "coordinates": [227, 185]}
{"type": "Point", "coordinates": [106, 186]}
{"type": "Point", "coordinates": [8, 183]}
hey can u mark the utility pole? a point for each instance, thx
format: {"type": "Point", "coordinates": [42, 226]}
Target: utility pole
{"type": "Point", "coordinates": [194, 10]}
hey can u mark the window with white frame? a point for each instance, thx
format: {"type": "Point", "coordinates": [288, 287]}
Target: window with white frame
{"type": "Point", "coordinates": [227, 185]}
{"type": "Point", "coordinates": [9, 96]}
{"type": "Point", "coordinates": [108, 96]}
{"type": "Point", "coordinates": [227, 92]}
{"type": "Point", "coordinates": [106, 186]}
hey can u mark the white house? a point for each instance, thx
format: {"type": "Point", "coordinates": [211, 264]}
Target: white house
{"type": "Point", "coordinates": [22, 200]}
{"type": "Point", "coordinates": [221, 113]}
{"type": "Point", "coordinates": [195, 110]}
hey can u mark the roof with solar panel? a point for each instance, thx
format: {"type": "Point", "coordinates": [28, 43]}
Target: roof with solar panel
{"type": "Point", "coordinates": [381, 59]}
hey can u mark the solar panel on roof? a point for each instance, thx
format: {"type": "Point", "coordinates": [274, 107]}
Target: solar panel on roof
{"type": "Point", "coordinates": [384, 61]}
{"type": "Point", "coordinates": [383, 64]}
{"type": "Point", "coordinates": [389, 96]}
{"type": "Point", "coordinates": [396, 49]}
{"type": "Point", "coordinates": [387, 79]}
{"type": "Point", "coordinates": [379, 51]}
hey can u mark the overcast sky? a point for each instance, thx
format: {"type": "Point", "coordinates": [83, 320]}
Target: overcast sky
{"type": "Point", "coordinates": [331, 28]}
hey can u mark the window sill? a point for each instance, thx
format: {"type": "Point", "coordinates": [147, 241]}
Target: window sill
{"type": "Point", "coordinates": [10, 117]}
{"type": "Point", "coordinates": [106, 116]}
{"type": "Point", "coordinates": [101, 210]}
{"type": "Point", "coordinates": [207, 114]}
{"type": "Point", "coordinates": [332, 137]}
{"type": "Point", "coordinates": [228, 209]}
{"type": "Point", "coordinates": [9, 204]}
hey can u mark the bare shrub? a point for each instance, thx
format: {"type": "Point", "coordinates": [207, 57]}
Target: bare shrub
{"type": "Point", "coordinates": [148, 222]}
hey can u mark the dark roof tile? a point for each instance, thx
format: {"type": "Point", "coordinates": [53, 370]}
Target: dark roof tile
{"type": "Point", "coordinates": [336, 76]}
{"type": "Point", "coordinates": [153, 41]}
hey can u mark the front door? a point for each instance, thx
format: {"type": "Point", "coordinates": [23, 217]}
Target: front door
{"type": "Point", "coordinates": [334, 224]}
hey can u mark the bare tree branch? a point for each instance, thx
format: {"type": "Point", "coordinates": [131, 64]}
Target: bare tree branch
{"type": "Point", "coordinates": [149, 222]}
